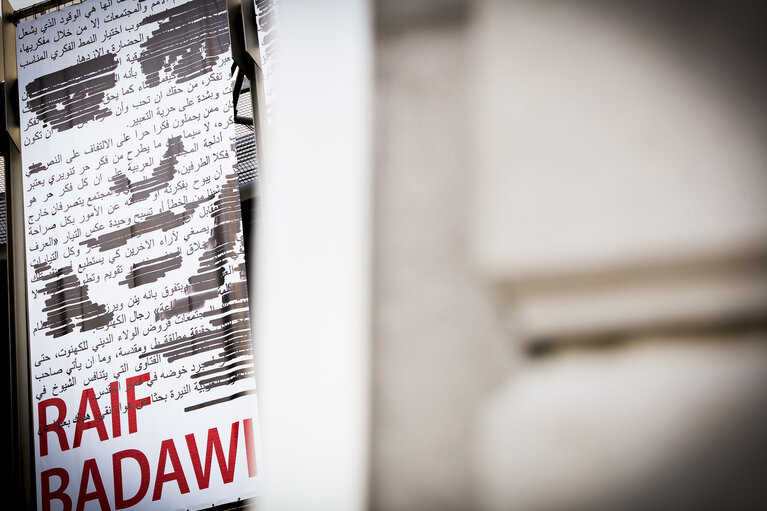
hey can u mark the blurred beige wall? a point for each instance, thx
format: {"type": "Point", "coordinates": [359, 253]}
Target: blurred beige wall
{"type": "Point", "coordinates": [437, 344]}
{"type": "Point", "coordinates": [570, 287]}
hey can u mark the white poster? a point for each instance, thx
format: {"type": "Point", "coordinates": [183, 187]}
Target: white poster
{"type": "Point", "coordinates": [142, 365]}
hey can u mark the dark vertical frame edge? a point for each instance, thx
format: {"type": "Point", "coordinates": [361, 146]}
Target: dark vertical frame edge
{"type": "Point", "coordinates": [22, 448]}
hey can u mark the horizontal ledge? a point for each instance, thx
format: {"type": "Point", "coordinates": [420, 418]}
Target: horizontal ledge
{"type": "Point", "coordinates": [609, 306]}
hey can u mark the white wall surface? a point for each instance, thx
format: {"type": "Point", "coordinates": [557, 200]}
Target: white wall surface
{"type": "Point", "coordinates": [312, 271]}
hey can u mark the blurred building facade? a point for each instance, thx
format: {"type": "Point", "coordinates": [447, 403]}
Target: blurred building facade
{"type": "Point", "coordinates": [570, 241]}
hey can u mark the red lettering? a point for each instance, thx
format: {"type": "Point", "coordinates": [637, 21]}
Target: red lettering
{"type": "Point", "coordinates": [55, 427]}
{"type": "Point", "coordinates": [117, 471]}
{"type": "Point", "coordinates": [214, 444]}
{"type": "Point", "coordinates": [88, 399]}
{"type": "Point", "coordinates": [115, 400]}
{"type": "Point", "coordinates": [133, 403]}
{"type": "Point", "coordinates": [250, 448]}
{"type": "Point", "coordinates": [58, 494]}
{"type": "Point", "coordinates": [168, 449]}
{"type": "Point", "coordinates": [91, 471]}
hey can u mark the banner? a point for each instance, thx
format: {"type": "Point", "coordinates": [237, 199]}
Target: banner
{"type": "Point", "coordinates": [142, 366]}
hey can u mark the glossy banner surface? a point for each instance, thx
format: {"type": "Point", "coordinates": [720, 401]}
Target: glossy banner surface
{"type": "Point", "coordinates": [141, 358]}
